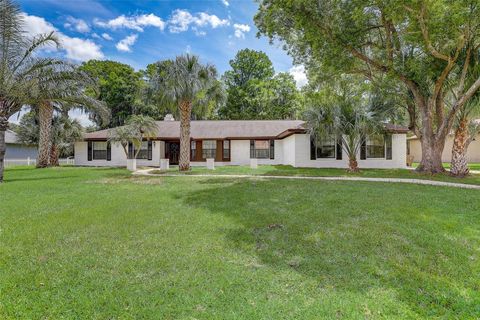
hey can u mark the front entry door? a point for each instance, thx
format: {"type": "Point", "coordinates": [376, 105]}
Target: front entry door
{"type": "Point", "coordinates": [173, 149]}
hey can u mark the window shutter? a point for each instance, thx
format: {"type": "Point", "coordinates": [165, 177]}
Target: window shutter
{"type": "Point", "coordinates": [363, 149]}
{"type": "Point", "coordinates": [388, 146]}
{"type": "Point", "coordinates": [339, 149]}
{"type": "Point", "coordinates": [89, 150]}
{"type": "Point", "coordinates": [149, 151]}
{"type": "Point", "coordinates": [252, 149]}
{"type": "Point", "coordinates": [272, 149]}
{"type": "Point", "coordinates": [313, 149]}
{"type": "Point", "coordinates": [109, 151]}
{"type": "Point", "coordinates": [130, 150]}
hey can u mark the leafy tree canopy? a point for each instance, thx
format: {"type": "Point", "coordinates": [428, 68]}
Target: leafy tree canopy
{"type": "Point", "coordinates": [119, 86]}
{"type": "Point", "coordinates": [430, 47]}
{"type": "Point", "coordinates": [255, 92]}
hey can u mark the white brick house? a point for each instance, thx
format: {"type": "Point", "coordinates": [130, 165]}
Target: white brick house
{"type": "Point", "coordinates": [235, 142]}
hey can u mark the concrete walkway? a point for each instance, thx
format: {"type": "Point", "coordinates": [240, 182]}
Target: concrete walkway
{"type": "Point", "coordinates": [147, 172]}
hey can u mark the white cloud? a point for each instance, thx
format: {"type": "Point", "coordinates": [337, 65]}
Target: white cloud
{"type": "Point", "coordinates": [77, 25]}
{"type": "Point", "coordinates": [81, 49]}
{"type": "Point", "coordinates": [240, 30]}
{"type": "Point", "coordinates": [225, 2]}
{"type": "Point", "coordinates": [81, 116]}
{"type": "Point", "coordinates": [137, 22]}
{"type": "Point", "coordinates": [199, 33]}
{"type": "Point", "coordinates": [298, 73]}
{"type": "Point", "coordinates": [126, 43]}
{"type": "Point", "coordinates": [182, 19]}
{"type": "Point", "coordinates": [75, 48]}
{"type": "Point", "coordinates": [106, 36]}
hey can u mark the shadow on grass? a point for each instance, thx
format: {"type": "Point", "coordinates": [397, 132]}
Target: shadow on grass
{"type": "Point", "coordinates": [352, 238]}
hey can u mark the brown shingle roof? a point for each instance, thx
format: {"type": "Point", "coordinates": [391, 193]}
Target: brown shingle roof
{"type": "Point", "coordinates": [217, 129]}
{"type": "Point", "coordinates": [230, 129]}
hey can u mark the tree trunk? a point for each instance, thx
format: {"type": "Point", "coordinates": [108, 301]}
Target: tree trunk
{"type": "Point", "coordinates": [185, 113]}
{"type": "Point", "coordinates": [459, 166]}
{"type": "Point", "coordinates": [432, 149]}
{"type": "Point", "coordinates": [353, 165]}
{"type": "Point", "coordinates": [45, 117]}
{"type": "Point", "coordinates": [3, 147]}
{"type": "Point", "coordinates": [54, 156]}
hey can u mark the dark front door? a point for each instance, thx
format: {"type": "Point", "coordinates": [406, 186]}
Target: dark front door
{"type": "Point", "coordinates": [173, 151]}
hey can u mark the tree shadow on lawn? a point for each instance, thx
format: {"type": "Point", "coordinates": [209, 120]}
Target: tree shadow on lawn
{"type": "Point", "coordinates": [357, 237]}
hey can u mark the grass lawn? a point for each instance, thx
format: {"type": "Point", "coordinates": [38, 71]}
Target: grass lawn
{"type": "Point", "coordinates": [472, 166]}
{"type": "Point", "coordinates": [86, 243]}
{"type": "Point", "coordinates": [282, 170]}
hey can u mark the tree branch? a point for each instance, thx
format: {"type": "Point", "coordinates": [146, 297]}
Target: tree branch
{"type": "Point", "coordinates": [426, 37]}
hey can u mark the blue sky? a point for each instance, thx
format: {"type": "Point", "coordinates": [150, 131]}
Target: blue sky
{"type": "Point", "coordinates": [153, 30]}
{"type": "Point", "coordinates": [142, 32]}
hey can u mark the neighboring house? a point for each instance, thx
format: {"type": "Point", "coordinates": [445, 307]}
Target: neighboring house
{"type": "Point", "coordinates": [414, 148]}
{"type": "Point", "coordinates": [236, 142]}
{"type": "Point", "coordinates": [16, 149]}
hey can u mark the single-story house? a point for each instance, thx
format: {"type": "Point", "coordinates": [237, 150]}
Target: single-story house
{"type": "Point", "coordinates": [17, 150]}
{"type": "Point", "coordinates": [414, 149]}
{"type": "Point", "coordinates": [235, 142]}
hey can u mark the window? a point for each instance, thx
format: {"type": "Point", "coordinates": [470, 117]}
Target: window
{"type": "Point", "coordinates": [145, 152]}
{"type": "Point", "coordinates": [326, 148]}
{"type": "Point", "coordinates": [226, 149]}
{"type": "Point", "coordinates": [209, 149]}
{"type": "Point", "coordinates": [262, 149]}
{"type": "Point", "coordinates": [100, 150]}
{"type": "Point", "coordinates": [388, 144]}
{"type": "Point", "coordinates": [376, 146]}
{"type": "Point", "coordinates": [193, 149]}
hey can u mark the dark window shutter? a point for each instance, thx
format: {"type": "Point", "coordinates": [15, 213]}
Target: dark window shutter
{"type": "Point", "coordinates": [339, 149]}
{"type": "Point", "coordinates": [167, 150]}
{"type": "Point", "coordinates": [89, 150]}
{"type": "Point", "coordinates": [130, 150]}
{"type": "Point", "coordinates": [313, 150]}
{"type": "Point", "coordinates": [149, 151]}
{"type": "Point", "coordinates": [388, 144]}
{"type": "Point", "coordinates": [109, 151]}
{"type": "Point", "coordinates": [272, 149]}
{"type": "Point", "coordinates": [363, 149]}
{"type": "Point", "coordinates": [252, 149]}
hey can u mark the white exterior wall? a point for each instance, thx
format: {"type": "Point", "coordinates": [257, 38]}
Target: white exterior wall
{"type": "Point", "coordinates": [240, 153]}
{"type": "Point", "coordinates": [119, 159]}
{"type": "Point", "coordinates": [288, 147]}
{"type": "Point", "coordinates": [473, 152]}
{"type": "Point", "coordinates": [399, 158]}
{"type": "Point", "coordinates": [293, 150]}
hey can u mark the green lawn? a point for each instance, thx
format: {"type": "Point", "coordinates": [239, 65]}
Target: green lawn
{"type": "Point", "coordinates": [80, 243]}
{"type": "Point", "coordinates": [472, 166]}
{"type": "Point", "coordinates": [281, 170]}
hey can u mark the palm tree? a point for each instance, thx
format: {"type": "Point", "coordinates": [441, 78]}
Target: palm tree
{"type": "Point", "coordinates": [20, 69]}
{"type": "Point", "coordinates": [65, 90]}
{"type": "Point", "coordinates": [343, 112]}
{"type": "Point", "coordinates": [65, 132]}
{"type": "Point", "coordinates": [188, 84]}
{"type": "Point", "coordinates": [466, 129]}
{"type": "Point", "coordinates": [137, 129]}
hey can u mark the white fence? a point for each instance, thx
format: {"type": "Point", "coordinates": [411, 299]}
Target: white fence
{"type": "Point", "coordinates": [33, 162]}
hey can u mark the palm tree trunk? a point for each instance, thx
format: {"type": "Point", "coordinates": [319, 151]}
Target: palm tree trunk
{"type": "Point", "coordinates": [353, 165]}
{"type": "Point", "coordinates": [45, 116]}
{"type": "Point", "coordinates": [54, 156]}
{"type": "Point", "coordinates": [3, 147]}
{"type": "Point", "coordinates": [185, 113]}
{"type": "Point", "coordinates": [459, 166]}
